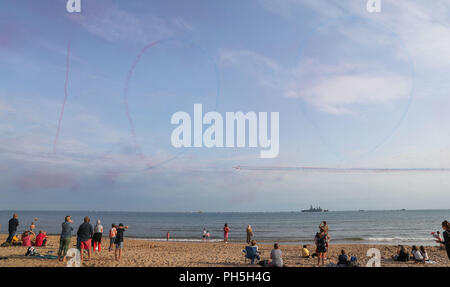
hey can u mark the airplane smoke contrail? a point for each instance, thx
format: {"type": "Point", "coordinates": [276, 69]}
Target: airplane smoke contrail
{"type": "Point", "coordinates": [337, 169]}
{"type": "Point", "coordinates": [65, 98]}
{"type": "Point", "coordinates": [125, 96]}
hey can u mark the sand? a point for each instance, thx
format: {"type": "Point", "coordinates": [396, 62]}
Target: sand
{"type": "Point", "coordinates": [143, 253]}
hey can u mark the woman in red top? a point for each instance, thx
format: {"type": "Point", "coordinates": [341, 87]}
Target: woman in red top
{"type": "Point", "coordinates": [226, 229]}
{"type": "Point", "coordinates": [26, 239]}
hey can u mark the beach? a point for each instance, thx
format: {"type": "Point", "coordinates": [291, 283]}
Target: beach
{"type": "Point", "coordinates": [147, 253]}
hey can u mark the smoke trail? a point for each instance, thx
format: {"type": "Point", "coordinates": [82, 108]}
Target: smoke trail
{"type": "Point", "coordinates": [339, 170]}
{"type": "Point", "coordinates": [125, 97]}
{"type": "Point", "coordinates": [65, 98]}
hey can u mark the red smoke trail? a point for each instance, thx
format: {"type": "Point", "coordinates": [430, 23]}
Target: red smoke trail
{"type": "Point", "coordinates": [65, 98]}
{"type": "Point", "coordinates": [125, 98]}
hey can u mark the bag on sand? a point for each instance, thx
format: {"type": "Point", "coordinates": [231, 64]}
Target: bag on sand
{"type": "Point", "coordinates": [6, 244]}
{"type": "Point", "coordinates": [31, 252]}
{"type": "Point", "coordinates": [264, 263]}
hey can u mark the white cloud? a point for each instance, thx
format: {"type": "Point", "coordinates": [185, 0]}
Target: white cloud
{"type": "Point", "coordinates": [115, 24]}
{"type": "Point", "coordinates": [336, 95]}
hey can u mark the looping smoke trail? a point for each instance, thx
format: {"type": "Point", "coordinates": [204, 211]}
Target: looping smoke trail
{"type": "Point", "coordinates": [339, 170]}
{"type": "Point", "coordinates": [125, 98]}
{"type": "Point", "coordinates": [65, 97]}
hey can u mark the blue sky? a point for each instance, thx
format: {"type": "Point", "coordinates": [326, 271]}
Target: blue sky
{"type": "Point", "coordinates": [353, 89]}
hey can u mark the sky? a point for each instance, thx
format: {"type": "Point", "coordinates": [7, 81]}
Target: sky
{"type": "Point", "coordinates": [86, 101]}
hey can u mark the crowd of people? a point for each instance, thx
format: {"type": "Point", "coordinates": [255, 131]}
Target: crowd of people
{"type": "Point", "coordinates": [89, 239]}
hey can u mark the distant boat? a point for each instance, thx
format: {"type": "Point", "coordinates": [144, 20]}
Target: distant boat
{"type": "Point", "coordinates": [361, 210]}
{"type": "Point", "coordinates": [315, 209]}
{"type": "Point", "coordinates": [402, 209]}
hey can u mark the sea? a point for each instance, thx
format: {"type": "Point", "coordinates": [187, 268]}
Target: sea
{"type": "Point", "coordinates": [391, 227]}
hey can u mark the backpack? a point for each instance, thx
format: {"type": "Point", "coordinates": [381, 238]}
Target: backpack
{"type": "Point", "coordinates": [31, 252]}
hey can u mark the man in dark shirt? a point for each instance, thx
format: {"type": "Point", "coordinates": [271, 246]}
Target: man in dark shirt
{"type": "Point", "coordinates": [12, 227]}
{"type": "Point", "coordinates": [84, 234]}
{"type": "Point", "coordinates": [119, 241]}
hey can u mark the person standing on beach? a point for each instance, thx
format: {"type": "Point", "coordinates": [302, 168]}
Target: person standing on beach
{"type": "Point", "coordinates": [97, 237]}
{"type": "Point", "coordinates": [226, 230]}
{"type": "Point", "coordinates": [446, 235]}
{"type": "Point", "coordinates": [249, 234]}
{"type": "Point", "coordinates": [119, 241]}
{"type": "Point", "coordinates": [112, 236]}
{"type": "Point", "coordinates": [321, 246]}
{"type": "Point", "coordinates": [64, 240]}
{"type": "Point", "coordinates": [84, 234]}
{"type": "Point", "coordinates": [204, 234]}
{"type": "Point", "coordinates": [12, 227]}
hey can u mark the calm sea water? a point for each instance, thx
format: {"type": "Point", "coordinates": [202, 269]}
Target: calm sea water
{"type": "Point", "coordinates": [377, 227]}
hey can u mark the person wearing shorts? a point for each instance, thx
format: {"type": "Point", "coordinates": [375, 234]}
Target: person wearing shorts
{"type": "Point", "coordinates": [84, 234]}
{"type": "Point", "coordinates": [321, 244]}
{"type": "Point", "coordinates": [119, 241]}
{"type": "Point", "coordinates": [112, 236]}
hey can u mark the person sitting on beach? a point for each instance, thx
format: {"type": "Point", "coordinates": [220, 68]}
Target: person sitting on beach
{"type": "Point", "coordinates": [321, 246]}
{"type": "Point", "coordinates": [254, 255]}
{"type": "Point", "coordinates": [305, 252]}
{"type": "Point", "coordinates": [424, 254]}
{"type": "Point", "coordinates": [226, 230]}
{"type": "Point", "coordinates": [343, 259]}
{"type": "Point", "coordinates": [41, 238]}
{"type": "Point", "coordinates": [402, 254]}
{"type": "Point", "coordinates": [97, 237]}
{"type": "Point", "coordinates": [84, 234]}
{"type": "Point", "coordinates": [119, 241]}
{"type": "Point", "coordinates": [276, 256]}
{"type": "Point", "coordinates": [26, 239]}
{"type": "Point", "coordinates": [16, 241]}
{"type": "Point", "coordinates": [112, 236]}
{"type": "Point", "coordinates": [416, 255]}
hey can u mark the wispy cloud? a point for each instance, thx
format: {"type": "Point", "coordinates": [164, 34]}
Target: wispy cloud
{"type": "Point", "coordinates": [115, 24]}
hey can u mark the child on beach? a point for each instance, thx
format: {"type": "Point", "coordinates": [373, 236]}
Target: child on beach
{"type": "Point", "coordinates": [112, 236]}
{"type": "Point", "coordinates": [119, 241]}
{"type": "Point", "coordinates": [343, 259]}
{"type": "Point", "coordinates": [207, 235]}
{"type": "Point", "coordinates": [26, 239]}
{"type": "Point", "coordinates": [417, 256]}
{"type": "Point", "coordinates": [226, 230]}
{"type": "Point", "coordinates": [204, 234]}
{"type": "Point", "coordinates": [97, 237]}
{"type": "Point", "coordinates": [167, 235]}
{"type": "Point", "coordinates": [305, 252]}
{"type": "Point", "coordinates": [41, 238]}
